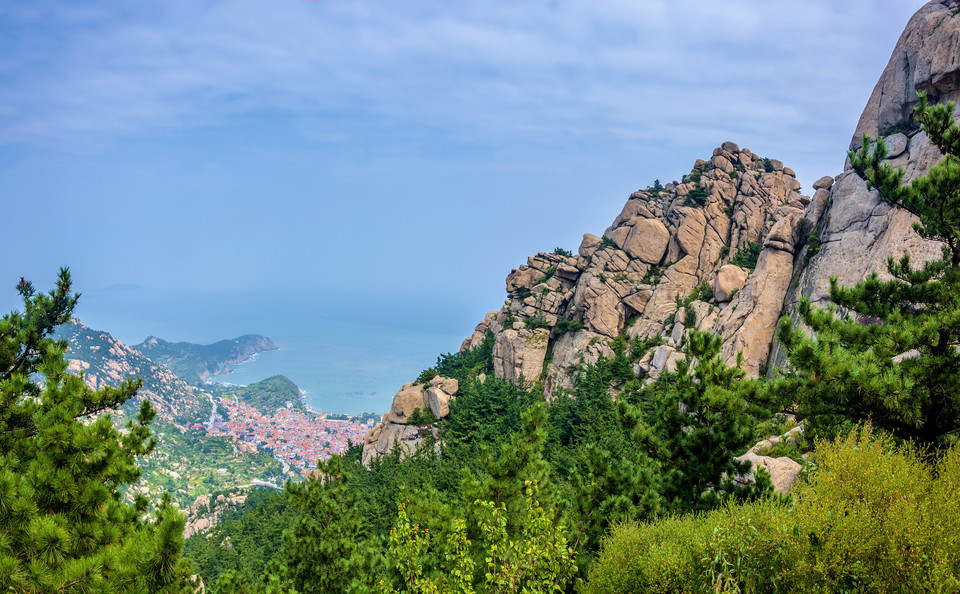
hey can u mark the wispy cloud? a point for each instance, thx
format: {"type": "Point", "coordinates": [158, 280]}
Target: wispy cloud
{"type": "Point", "coordinates": [75, 75]}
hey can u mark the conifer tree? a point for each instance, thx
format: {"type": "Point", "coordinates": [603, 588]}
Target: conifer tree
{"type": "Point", "coordinates": [891, 357]}
{"type": "Point", "coordinates": [64, 525]}
{"type": "Point", "coordinates": [325, 550]}
{"type": "Point", "coordinates": [702, 422]}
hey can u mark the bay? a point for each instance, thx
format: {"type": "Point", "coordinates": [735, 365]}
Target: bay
{"type": "Point", "coordinates": [350, 355]}
{"type": "Point", "coordinates": [353, 368]}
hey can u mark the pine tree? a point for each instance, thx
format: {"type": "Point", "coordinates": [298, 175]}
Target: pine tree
{"type": "Point", "coordinates": [64, 525]}
{"type": "Point", "coordinates": [325, 550]}
{"type": "Point", "coordinates": [891, 357]}
{"type": "Point", "coordinates": [702, 422]}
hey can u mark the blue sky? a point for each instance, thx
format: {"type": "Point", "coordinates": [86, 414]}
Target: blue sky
{"type": "Point", "coordinates": [389, 160]}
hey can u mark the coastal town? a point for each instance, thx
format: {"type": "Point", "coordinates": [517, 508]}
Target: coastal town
{"type": "Point", "coordinates": [297, 439]}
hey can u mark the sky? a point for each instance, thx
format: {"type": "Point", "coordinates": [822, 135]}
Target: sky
{"type": "Point", "coordinates": [387, 162]}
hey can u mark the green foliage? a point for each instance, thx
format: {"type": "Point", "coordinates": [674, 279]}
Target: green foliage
{"type": "Point", "coordinates": [270, 394]}
{"type": "Point", "coordinates": [904, 126]}
{"type": "Point", "coordinates": [562, 252]}
{"type": "Point", "coordinates": [652, 276]}
{"type": "Point", "coordinates": [874, 517]}
{"type": "Point", "coordinates": [767, 165]}
{"type": "Point", "coordinates": [63, 467]}
{"type": "Point", "coordinates": [656, 188]}
{"type": "Point", "coordinates": [422, 417]}
{"type": "Point", "coordinates": [696, 197]}
{"type": "Point", "coordinates": [463, 366]}
{"type": "Point", "coordinates": [702, 421]}
{"type": "Point", "coordinates": [893, 360]}
{"type": "Point", "coordinates": [689, 318]}
{"type": "Point", "coordinates": [246, 540]}
{"type": "Point", "coordinates": [606, 242]}
{"type": "Point", "coordinates": [195, 457]}
{"type": "Point", "coordinates": [813, 245]}
{"type": "Point", "coordinates": [550, 271]}
{"type": "Point", "coordinates": [703, 292]}
{"type": "Point", "coordinates": [746, 256]}
{"type": "Point", "coordinates": [324, 551]}
{"type": "Point", "coordinates": [639, 348]}
{"type": "Point", "coordinates": [426, 375]}
{"type": "Point", "coordinates": [565, 325]}
{"type": "Point", "coordinates": [539, 320]}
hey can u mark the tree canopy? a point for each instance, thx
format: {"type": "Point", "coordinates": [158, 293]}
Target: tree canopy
{"type": "Point", "coordinates": [887, 353]}
{"type": "Point", "coordinates": [64, 522]}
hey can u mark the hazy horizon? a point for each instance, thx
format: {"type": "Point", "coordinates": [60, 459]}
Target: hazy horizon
{"type": "Point", "coordinates": [201, 166]}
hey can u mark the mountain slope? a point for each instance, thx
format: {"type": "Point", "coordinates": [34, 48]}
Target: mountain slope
{"type": "Point", "coordinates": [105, 361]}
{"type": "Point", "coordinates": [194, 363]}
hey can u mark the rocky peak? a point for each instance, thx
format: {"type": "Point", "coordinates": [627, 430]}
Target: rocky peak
{"type": "Point", "coordinates": [676, 243]}
{"type": "Point", "coordinates": [402, 427]}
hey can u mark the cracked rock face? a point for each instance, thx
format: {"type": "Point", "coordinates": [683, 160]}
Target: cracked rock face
{"type": "Point", "coordinates": [663, 244]}
{"type": "Point", "coordinates": [396, 430]}
{"type": "Point", "coordinates": [857, 231]}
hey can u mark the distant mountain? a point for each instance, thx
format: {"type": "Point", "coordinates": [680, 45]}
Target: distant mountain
{"type": "Point", "coordinates": [105, 361]}
{"type": "Point", "coordinates": [194, 363]}
{"type": "Point", "coordinates": [271, 394]}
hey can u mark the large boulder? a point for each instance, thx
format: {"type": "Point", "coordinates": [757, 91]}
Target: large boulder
{"type": "Point", "coordinates": [729, 280]}
{"type": "Point", "coordinates": [394, 428]}
{"type": "Point", "coordinates": [647, 241]}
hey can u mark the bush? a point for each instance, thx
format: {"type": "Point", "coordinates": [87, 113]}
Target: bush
{"type": "Point", "coordinates": [696, 197]}
{"type": "Point", "coordinates": [562, 252]}
{"type": "Point", "coordinates": [874, 517]}
{"type": "Point", "coordinates": [747, 256]}
{"type": "Point", "coordinates": [813, 246]}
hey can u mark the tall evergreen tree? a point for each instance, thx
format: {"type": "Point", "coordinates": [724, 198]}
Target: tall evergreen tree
{"type": "Point", "coordinates": [326, 549]}
{"type": "Point", "coordinates": [64, 525]}
{"type": "Point", "coordinates": [891, 357]}
{"type": "Point", "coordinates": [702, 421]}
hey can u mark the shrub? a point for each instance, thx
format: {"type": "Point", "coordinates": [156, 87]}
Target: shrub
{"type": "Point", "coordinates": [606, 242]}
{"type": "Point", "coordinates": [565, 325]}
{"type": "Point", "coordinates": [539, 320]}
{"type": "Point", "coordinates": [696, 197]}
{"type": "Point", "coordinates": [562, 252]}
{"type": "Point", "coordinates": [422, 417]}
{"type": "Point", "coordinates": [813, 245]}
{"type": "Point", "coordinates": [746, 257]}
{"type": "Point", "coordinates": [873, 517]}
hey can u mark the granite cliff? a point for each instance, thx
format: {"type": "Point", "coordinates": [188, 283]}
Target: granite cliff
{"type": "Point", "coordinates": [730, 248]}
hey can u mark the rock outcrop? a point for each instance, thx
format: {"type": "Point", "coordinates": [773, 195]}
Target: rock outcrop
{"type": "Point", "coordinates": [857, 232]}
{"type": "Point", "coordinates": [783, 470]}
{"type": "Point", "coordinates": [729, 249]}
{"type": "Point", "coordinates": [404, 427]}
{"type": "Point", "coordinates": [666, 244]}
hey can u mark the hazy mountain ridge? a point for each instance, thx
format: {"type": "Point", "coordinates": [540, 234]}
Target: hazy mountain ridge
{"type": "Point", "coordinates": [194, 363]}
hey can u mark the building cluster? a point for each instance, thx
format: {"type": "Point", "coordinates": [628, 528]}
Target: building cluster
{"type": "Point", "coordinates": [296, 438]}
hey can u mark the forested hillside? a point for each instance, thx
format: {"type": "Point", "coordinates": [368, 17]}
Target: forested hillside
{"type": "Point", "coordinates": [194, 363]}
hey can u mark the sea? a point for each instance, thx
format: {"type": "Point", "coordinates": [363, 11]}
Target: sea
{"type": "Point", "coordinates": [346, 355]}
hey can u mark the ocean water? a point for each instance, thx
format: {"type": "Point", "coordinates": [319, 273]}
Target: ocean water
{"type": "Point", "coordinates": [347, 367]}
{"type": "Point", "coordinates": [348, 355]}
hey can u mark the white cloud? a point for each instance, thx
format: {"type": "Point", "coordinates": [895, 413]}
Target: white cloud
{"type": "Point", "coordinates": [99, 73]}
